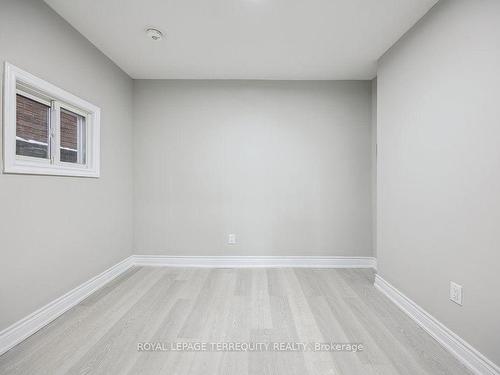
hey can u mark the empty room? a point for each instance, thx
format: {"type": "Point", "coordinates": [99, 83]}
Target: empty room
{"type": "Point", "coordinates": [246, 187]}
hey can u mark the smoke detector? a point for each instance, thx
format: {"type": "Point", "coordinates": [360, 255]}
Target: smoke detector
{"type": "Point", "coordinates": [154, 34]}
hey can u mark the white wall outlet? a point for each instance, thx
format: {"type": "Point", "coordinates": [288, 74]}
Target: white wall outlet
{"type": "Point", "coordinates": [231, 239]}
{"type": "Point", "coordinates": [456, 293]}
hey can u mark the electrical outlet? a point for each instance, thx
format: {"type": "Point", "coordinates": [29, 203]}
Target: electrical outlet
{"type": "Point", "coordinates": [456, 293]}
{"type": "Point", "coordinates": [231, 239]}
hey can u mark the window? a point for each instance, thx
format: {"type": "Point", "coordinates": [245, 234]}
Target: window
{"type": "Point", "coordinates": [46, 129]}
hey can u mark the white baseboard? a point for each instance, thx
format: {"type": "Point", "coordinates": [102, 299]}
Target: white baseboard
{"type": "Point", "coordinates": [463, 351]}
{"type": "Point", "coordinates": [27, 326]}
{"type": "Point", "coordinates": [255, 261]}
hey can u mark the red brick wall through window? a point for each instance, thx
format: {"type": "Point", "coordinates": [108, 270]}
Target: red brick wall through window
{"type": "Point", "coordinates": [32, 128]}
{"type": "Point", "coordinates": [31, 120]}
{"type": "Point", "coordinates": [69, 123]}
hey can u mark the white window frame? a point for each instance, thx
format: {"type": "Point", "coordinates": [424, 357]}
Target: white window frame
{"type": "Point", "coordinates": [57, 98]}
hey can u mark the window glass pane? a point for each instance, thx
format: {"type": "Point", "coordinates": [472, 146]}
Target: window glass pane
{"type": "Point", "coordinates": [32, 128]}
{"type": "Point", "coordinates": [73, 137]}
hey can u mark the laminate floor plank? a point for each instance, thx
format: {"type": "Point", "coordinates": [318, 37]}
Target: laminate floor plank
{"type": "Point", "coordinates": [275, 306]}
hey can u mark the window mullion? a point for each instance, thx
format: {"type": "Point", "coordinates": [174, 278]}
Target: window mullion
{"type": "Point", "coordinates": [55, 122]}
{"type": "Point", "coordinates": [79, 141]}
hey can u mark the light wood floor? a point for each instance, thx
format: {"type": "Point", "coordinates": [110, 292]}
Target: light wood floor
{"type": "Point", "coordinates": [100, 335]}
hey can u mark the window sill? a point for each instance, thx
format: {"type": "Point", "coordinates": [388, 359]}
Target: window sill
{"type": "Point", "coordinates": [50, 170]}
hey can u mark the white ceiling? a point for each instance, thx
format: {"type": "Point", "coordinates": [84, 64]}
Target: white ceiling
{"type": "Point", "coordinates": [244, 39]}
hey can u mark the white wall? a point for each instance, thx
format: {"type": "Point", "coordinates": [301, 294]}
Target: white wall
{"type": "Point", "coordinates": [57, 232]}
{"type": "Point", "coordinates": [283, 165]}
{"type": "Point", "coordinates": [439, 167]}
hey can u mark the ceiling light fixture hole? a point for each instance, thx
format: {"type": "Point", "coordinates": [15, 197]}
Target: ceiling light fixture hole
{"type": "Point", "coordinates": [154, 34]}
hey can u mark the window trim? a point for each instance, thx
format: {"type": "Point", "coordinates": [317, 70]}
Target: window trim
{"type": "Point", "coordinates": [29, 165]}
